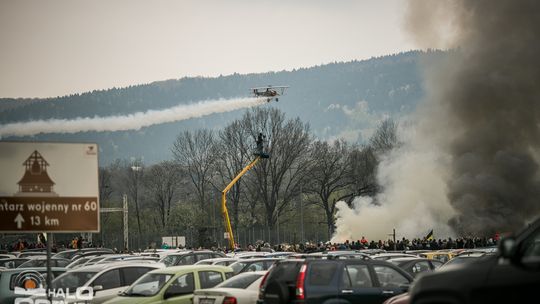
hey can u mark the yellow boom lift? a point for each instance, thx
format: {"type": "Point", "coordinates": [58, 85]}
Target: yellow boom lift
{"type": "Point", "coordinates": [259, 154]}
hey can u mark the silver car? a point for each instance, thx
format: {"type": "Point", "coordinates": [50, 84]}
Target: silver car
{"type": "Point", "coordinates": [106, 280]}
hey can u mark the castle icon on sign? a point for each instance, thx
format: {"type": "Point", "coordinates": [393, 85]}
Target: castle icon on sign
{"type": "Point", "coordinates": [36, 180]}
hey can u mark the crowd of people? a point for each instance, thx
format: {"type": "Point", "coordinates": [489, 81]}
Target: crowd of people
{"type": "Point", "coordinates": [388, 245]}
{"type": "Point", "coordinates": [41, 243]}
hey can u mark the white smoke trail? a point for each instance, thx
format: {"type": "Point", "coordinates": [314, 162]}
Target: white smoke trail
{"type": "Point", "coordinates": [133, 121]}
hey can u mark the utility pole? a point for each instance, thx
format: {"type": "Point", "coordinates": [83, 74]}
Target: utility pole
{"type": "Point", "coordinates": [124, 210]}
{"type": "Point", "coordinates": [278, 228]}
{"type": "Point", "coordinates": [301, 215]}
{"type": "Point", "coordinates": [394, 237]}
{"type": "Point", "coordinates": [125, 220]}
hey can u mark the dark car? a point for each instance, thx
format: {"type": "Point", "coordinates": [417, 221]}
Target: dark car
{"type": "Point", "coordinates": [190, 257]}
{"type": "Point", "coordinates": [414, 266]}
{"type": "Point", "coordinates": [332, 281]}
{"type": "Point", "coordinates": [510, 276]}
{"type": "Point", "coordinates": [458, 260]}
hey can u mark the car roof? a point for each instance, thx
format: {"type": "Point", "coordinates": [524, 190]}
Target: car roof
{"type": "Point", "coordinates": [44, 257]}
{"type": "Point", "coordinates": [406, 259]}
{"type": "Point", "coordinates": [17, 270]}
{"type": "Point", "coordinates": [190, 251]}
{"type": "Point", "coordinates": [259, 272]}
{"type": "Point", "coordinates": [254, 260]}
{"type": "Point", "coordinates": [218, 259]}
{"type": "Point", "coordinates": [385, 254]}
{"type": "Point", "coordinates": [101, 267]}
{"type": "Point", "coordinates": [184, 268]}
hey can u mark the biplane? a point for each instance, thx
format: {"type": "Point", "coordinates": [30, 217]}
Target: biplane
{"type": "Point", "coordinates": [270, 92]}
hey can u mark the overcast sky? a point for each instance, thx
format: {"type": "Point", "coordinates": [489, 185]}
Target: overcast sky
{"type": "Point", "coordinates": [58, 47]}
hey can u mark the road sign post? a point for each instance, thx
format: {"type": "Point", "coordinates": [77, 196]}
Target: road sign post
{"type": "Point", "coordinates": [49, 271]}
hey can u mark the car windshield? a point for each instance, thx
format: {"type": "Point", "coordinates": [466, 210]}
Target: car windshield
{"type": "Point", "coordinates": [148, 285]}
{"type": "Point", "coordinates": [72, 280]}
{"type": "Point", "coordinates": [240, 281]}
{"type": "Point", "coordinates": [238, 266]}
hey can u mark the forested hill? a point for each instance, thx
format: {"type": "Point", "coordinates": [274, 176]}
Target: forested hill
{"type": "Point", "coordinates": [338, 100]}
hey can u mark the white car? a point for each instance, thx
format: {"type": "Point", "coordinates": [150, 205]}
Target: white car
{"type": "Point", "coordinates": [217, 261]}
{"type": "Point", "coordinates": [248, 254]}
{"type": "Point", "coordinates": [105, 279]}
{"type": "Point", "coordinates": [240, 289]}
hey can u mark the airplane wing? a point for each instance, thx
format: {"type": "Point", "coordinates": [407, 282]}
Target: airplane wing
{"type": "Point", "coordinates": [269, 87]}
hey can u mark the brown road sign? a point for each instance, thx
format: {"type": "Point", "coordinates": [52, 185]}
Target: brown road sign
{"type": "Point", "coordinates": [48, 187]}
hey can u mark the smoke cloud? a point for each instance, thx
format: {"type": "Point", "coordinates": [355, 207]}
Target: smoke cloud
{"type": "Point", "coordinates": [493, 99]}
{"type": "Point", "coordinates": [469, 164]}
{"type": "Point", "coordinates": [414, 199]}
{"type": "Point", "coordinates": [133, 121]}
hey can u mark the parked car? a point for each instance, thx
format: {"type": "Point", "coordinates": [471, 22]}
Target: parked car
{"type": "Point", "coordinates": [70, 253]}
{"type": "Point", "coordinates": [31, 254]}
{"type": "Point", "coordinates": [512, 275]}
{"type": "Point", "coordinates": [217, 261]}
{"type": "Point", "coordinates": [392, 255]}
{"type": "Point", "coordinates": [403, 298]}
{"type": "Point", "coordinates": [78, 263]}
{"type": "Point", "coordinates": [240, 289]}
{"type": "Point", "coordinates": [172, 284]}
{"type": "Point", "coordinates": [414, 266]}
{"type": "Point", "coordinates": [279, 254]}
{"type": "Point", "coordinates": [106, 280]}
{"type": "Point", "coordinates": [248, 254]}
{"type": "Point", "coordinates": [114, 258]}
{"type": "Point", "coordinates": [258, 264]}
{"type": "Point", "coordinates": [443, 256]}
{"type": "Point", "coordinates": [92, 259]}
{"type": "Point", "coordinates": [161, 253]}
{"type": "Point", "coordinates": [42, 262]}
{"type": "Point", "coordinates": [464, 259]}
{"type": "Point", "coordinates": [189, 257]}
{"type": "Point", "coordinates": [142, 259]}
{"type": "Point", "coordinates": [348, 255]}
{"type": "Point", "coordinates": [22, 278]}
{"type": "Point", "coordinates": [332, 280]}
{"type": "Point", "coordinates": [13, 262]}
{"type": "Point", "coordinates": [95, 252]}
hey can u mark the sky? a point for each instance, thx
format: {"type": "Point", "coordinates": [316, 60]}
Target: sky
{"type": "Point", "coordinates": [59, 47]}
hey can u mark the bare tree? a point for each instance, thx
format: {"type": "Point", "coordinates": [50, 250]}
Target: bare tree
{"type": "Point", "coordinates": [105, 184]}
{"type": "Point", "coordinates": [277, 179]}
{"type": "Point", "coordinates": [328, 176]}
{"type": "Point", "coordinates": [162, 181]}
{"type": "Point", "coordinates": [385, 137]}
{"type": "Point", "coordinates": [196, 154]}
{"type": "Point", "coordinates": [363, 161]}
{"type": "Point", "coordinates": [361, 173]}
{"type": "Point", "coordinates": [235, 154]}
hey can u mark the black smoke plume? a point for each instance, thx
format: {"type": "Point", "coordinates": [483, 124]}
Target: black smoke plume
{"type": "Point", "coordinates": [489, 94]}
